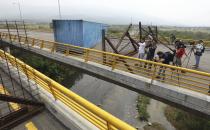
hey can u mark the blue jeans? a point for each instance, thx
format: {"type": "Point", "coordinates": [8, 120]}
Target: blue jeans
{"type": "Point", "coordinates": [197, 60]}
{"type": "Point", "coordinates": [141, 55]}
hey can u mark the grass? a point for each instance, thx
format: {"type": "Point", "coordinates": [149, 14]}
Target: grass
{"type": "Point", "coordinates": [143, 101]}
{"type": "Point", "coordinates": [180, 32]}
{"type": "Point", "coordinates": [182, 120]}
{"type": "Point", "coordinates": [40, 27]}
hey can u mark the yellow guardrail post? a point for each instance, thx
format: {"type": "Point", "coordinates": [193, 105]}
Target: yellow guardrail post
{"type": "Point", "coordinates": [42, 44]}
{"type": "Point", "coordinates": [114, 62]}
{"type": "Point", "coordinates": [86, 55]}
{"type": "Point", "coordinates": [153, 74]}
{"type": "Point", "coordinates": [51, 88]}
{"type": "Point", "coordinates": [53, 47]}
{"type": "Point", "coordinates": [108, 126]}
{"type": "Point", "coordinates": [33, 42]}
{"type": "Point", "coordinates": [13, 37]}
{"type": "Point", "coordinates": [20, 39]}
{"type": "Point", "coordinates": [67, 51]}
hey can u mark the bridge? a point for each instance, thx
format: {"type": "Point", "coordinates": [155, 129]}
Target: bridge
{"type": "Point", "coordinates": [184, 88]}
{"type": "Point", "coordinates": [37, 92]}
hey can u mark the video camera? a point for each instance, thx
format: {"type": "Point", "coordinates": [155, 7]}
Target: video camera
{"type": "Point", "coordinates": [179, 44]}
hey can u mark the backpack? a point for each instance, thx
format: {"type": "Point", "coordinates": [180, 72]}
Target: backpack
{"type": "Point", "coordinates": [199, 50]}
{"type": "Point", "coordinates": [169, 57]}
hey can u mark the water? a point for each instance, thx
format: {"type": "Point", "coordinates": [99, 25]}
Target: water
{"type": "Point", "coordinates": [118, 101]}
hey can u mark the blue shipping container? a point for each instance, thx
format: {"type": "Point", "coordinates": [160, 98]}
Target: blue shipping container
{"type": "Point", "coordinates": [78, 32]}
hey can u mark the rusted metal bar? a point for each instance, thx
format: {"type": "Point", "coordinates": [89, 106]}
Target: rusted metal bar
{"type": "Point", "coordinates": [124, 34]}
{"type": "Point", "coordinates": [9, 98]}
{"type": "Point", "coordinates": [158, 41]}
{"type": "Point", "coordinates": [17, 31]}
{"type": "Point", "coordinates": [140, 31]}
{"type": "Point", "coordinates": [131, 53]}
{"type": "Point", "coordinates": [156, 32]}
{"type": "Point", "coordinates": [8, 29]}
{"type": "Point", "coordinates": [124, 46]}
{"type": "Point", "coordinates": [17, 117]}
{"type": "Point", "coordinates": [134, 43]}
{"type": "Point", "coordinates": [103, 40]}
{"type": "Point", "coordinates": [24, 27]}
{"type": "Point", "coordinates": [153, 35]}
{"type": "Point", "coordinates": [103, 45]}
{"type": "Point", "coordinates": [111, 45]}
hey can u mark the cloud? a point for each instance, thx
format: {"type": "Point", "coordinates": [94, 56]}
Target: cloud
{"type": "Point", "coordinates": [162, 12]}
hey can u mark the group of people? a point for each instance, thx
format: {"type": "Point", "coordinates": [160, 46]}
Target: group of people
{"type": "Point", "coordinates": [174, 57]}
{"type": "Point", "coordinates": [147, 49]}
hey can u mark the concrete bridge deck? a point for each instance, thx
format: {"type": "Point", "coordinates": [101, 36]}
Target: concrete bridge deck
{"type": "Point", "coordinates": [71, 109]}
{"type": "Point", "coordinates": [42, 121]}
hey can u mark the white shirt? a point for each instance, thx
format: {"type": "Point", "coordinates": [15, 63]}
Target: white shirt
{"type": "Point", "coordinates": [199, 48]}
{"type": "Point", "coordinates": [142, 47]}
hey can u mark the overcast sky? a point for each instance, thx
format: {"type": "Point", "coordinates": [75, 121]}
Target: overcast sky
{"type": "Point", "coordinates": [161, 12]}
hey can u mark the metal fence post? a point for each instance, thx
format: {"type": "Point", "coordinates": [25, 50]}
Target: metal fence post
{"type": "Point", "coordinates": [67, 51]}
{"type": "Point", "coordinates": [51, 89]}
{"type": "Point", "coordinates": [140, 31]}
{"type": "Point", "coordinates": [33, 42]}
{"type": "Point", "coordinates": [86, 55]}
{"type": "Point", "coordinates": [42, 44]}
{"type": "Point", "coordinates": [108, 126]}
{"type": "Point", "coordinates": [113, 62]}
{"type": "Point", "coordinates": [154, 74]}
{"type": "Point", "coordinates": [53, 47]}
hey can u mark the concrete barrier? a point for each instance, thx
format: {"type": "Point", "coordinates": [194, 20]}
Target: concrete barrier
{"type": "Point", "coordinates": [179, 97]}
{"type": "Point", "coordinates": [64, 114]}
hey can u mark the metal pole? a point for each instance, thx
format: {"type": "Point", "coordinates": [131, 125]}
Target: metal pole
{"type": "Point", "coordinates": [19, 8]}
{"type": "Point", "coordinates": [140, 32]}
{"type": "Point", "coordinates": [103, 40]}
{"type": "Point", "coordinates": [17, 31]}
{"type": "Point", "coordinates": [8, 29]}
{"type": "Point", "coordinates": [156, 32]}
{"type": "Point", "coordinates": [59, 9]}
{"type": "Point", "coordinates": [103, 45]}
{"type": "Point", "coordinates": [21, 16]}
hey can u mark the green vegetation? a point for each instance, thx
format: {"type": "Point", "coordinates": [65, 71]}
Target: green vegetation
{"type": "Point", "coordinates": [154, 126]}
{"type": "Point", "coordinates": [39, 27]}
{"type": "Point", "coordinates": [195, 33]}
{"type": "Point", "coordinates": [187, 34]}
{"type": "Point", "coordinates": [143, 101]}
{"type": "Point", "coordinates": [63, 74]}
{"type": "Point", "coordinates": [182, 120]}
{"type": "Point", "coordinates": [114, 32]}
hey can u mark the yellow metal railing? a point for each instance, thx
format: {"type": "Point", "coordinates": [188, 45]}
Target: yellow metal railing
{"type": "Point", "coordinates": [94, 114]}
{"type": "Point", "coordinates": [172, 75]}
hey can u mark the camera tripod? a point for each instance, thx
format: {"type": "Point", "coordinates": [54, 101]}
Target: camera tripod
{"type": "Point", "coordinates": [188, 56]}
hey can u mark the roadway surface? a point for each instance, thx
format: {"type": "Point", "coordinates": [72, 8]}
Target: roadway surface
{"type": "Point", "coordinates": [42, 121]}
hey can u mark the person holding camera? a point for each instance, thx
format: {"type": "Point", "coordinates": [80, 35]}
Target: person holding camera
{"type": "Point", "coordinates": [180, 51]}
{"type": "Point", "coordinates": [198, 51]}
{"type": "Point", "coordinates": [142, 46]}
